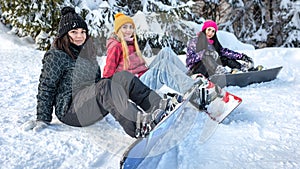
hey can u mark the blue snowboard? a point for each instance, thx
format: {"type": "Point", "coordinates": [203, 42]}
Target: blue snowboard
{"type": "Point", "coordinates": [247, 78]}
{"type": "Point", "coordinates": [141, 148]}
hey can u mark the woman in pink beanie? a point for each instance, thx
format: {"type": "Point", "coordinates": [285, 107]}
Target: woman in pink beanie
{"type": "Point", "coordinates": [206, 55]}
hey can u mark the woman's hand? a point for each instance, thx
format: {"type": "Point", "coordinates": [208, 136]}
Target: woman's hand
{"type": "Point", "coordinates": [246, 58]}
{"type": "Point", "coordinates": [249, 63]}
{"type": "Point", "coordinates": [35, 125]}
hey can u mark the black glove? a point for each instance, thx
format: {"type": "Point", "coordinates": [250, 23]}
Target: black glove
{"type": "Point", "coordinates": [249, 63]}
{"type": "Point", "coordinates": [246, 58]}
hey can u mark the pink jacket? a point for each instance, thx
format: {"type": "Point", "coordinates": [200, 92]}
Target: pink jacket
{"type": "Point", "coordinates": [115, 61]}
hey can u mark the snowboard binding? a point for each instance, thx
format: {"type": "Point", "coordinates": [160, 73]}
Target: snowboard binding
{"type": "Point", "coordinates": [206, 92]}
{"type": "Point", "coordinates": [147, 121]}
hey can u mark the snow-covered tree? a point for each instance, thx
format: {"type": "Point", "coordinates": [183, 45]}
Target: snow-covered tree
{"type": "Point", "coordinates": [258, 22]}
{"type": "Point", "coordinates": [164, 23]}
{"type": "Point", "coordinates": [291, 17]}
{"type": "Point", "coordinates": [32, 18]}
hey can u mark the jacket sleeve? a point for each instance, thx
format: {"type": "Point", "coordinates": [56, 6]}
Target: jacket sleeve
{"type": "Point", "coordinates": [192, 57]}
{"type": "Point", "coordinates": [51, 73]}
{"type": "Point", "coordinates": [114, 53]}
{"type": "Point", "coordinates": [98, 75]}
{"type": "Point", "coordinates": [225, 52]}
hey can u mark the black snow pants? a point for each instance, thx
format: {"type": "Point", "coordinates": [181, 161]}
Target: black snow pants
{"type": "Point", "coordinates": [208, 65]}
{"type": "Point", "coordinates": [233, 64]}
{"type": "Point", "coordinates": [121, 95]}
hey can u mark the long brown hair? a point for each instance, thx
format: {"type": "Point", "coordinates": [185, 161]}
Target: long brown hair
{"type": "Point", "coordinates": [125, 48]}
{"type": "Point", "coordinates": [217, 45]}
{"type": "Point", "coordinates": [63, 43]}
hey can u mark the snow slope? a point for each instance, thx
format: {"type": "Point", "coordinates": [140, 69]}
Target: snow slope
{"type": "Point", "coordinates": [263, 132]}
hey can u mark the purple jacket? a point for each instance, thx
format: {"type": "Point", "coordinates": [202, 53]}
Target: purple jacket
{"type": "Point", "coordinates": [192, 57]}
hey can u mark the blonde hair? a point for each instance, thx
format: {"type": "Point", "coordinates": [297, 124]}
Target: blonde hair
{"type": "Point", "coordinates": [125, 48]}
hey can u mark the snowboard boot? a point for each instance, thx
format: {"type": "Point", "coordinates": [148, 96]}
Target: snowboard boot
{"type": "Point", "coordinates": [259, 67]}
{"type": "Point", "coordinates": [215, 109]}
{"type": "Point", "coordinates": [147, 121]}
{"type": "Point", "coordinates": [167, 105]}
{"type": "Point", "coordinates": [221, 107]}
{"type": "Point", "coordinates": [220, 70]}
{"type": "Point", "coordinates": [143, 126]}
{"type": "Point", "coordinates": [235, 71]}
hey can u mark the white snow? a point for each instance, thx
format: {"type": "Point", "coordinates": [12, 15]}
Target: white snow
{"type": "Point", "coordinates": [263, 132]}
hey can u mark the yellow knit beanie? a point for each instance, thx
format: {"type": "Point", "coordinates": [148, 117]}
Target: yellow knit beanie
{"type": "Point", "coordinates": [121, 19]}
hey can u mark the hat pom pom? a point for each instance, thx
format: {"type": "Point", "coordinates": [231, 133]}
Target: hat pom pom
{"type": "Point", "coordinates": [67, 9]}
{"type": "Point", "coordinates": [118, 14]}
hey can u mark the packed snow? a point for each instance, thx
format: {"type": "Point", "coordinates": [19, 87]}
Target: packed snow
{"type": "Point", "coordinates": [263, 132]}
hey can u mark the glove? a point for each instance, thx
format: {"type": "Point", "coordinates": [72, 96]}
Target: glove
{"type": "Point", "coordinates": [211, 53]}
{"type": "Point", "coordinates": [249, 64]}
{"type": "Point", "coordinates": [35, 125]}
{"type": "Point", "coordinates": [246, 58]}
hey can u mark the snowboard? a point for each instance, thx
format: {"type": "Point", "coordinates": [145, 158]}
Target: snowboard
{"type": "Point", "coordinates": [140, 149]}
{"type": "Point", "coordinates": [216, 102]}
{"type": "Point", "coordinates": [208, 98]}
{"type": "Point", "coordinates": [246, 78]}
{"type": "Point", "coordinates": [225, 105]}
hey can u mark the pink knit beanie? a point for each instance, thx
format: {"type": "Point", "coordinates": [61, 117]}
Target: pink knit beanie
{"type": "Point", "coordinates": [209, 23]}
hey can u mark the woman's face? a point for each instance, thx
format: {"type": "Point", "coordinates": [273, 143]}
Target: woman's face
{"type": "Point", "coordinates": [127, 30]}
{"type": "Point", "coordinates": [77, 36]}
{"type": "Point", "coordinates": [210, 32]}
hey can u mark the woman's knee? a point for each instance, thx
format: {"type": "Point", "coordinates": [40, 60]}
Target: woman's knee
{"type": "Point", "coordinates": [103, 84]}
{"type": "Point", "coordinates": [125, 79]}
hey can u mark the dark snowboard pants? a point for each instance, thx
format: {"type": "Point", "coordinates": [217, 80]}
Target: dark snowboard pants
{"type": "Point", "coordinates": [119, 96]}
{"type": "Point", "coordinates": [233, 64]}
{"type": "Point", "coordinates": [207, 66]}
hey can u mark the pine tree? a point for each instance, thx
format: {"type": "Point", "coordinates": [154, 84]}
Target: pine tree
{"type": "Point", "coordinates": [290, 15]}
{"type": "Point", "coordinates": [170, 14]}
{"type": "Point", "coordinates": [46, 22]}
{"type": "Point", "coordinates": [258, 22]}
{"type": "Point", "coordinates": [32, 18]}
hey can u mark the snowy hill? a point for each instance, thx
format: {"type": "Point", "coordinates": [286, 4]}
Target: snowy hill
{"type": "Point", "coordinates": [263, 132]}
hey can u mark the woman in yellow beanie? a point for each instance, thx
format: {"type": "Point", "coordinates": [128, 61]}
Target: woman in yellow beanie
{"type": "Point", "coordinates": [122, 48]}
{"type": "Point", "coordinates": [123, 53]}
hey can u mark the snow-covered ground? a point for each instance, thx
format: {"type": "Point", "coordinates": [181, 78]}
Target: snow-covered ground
{"type": "Point", "coordinates": [263, 132]}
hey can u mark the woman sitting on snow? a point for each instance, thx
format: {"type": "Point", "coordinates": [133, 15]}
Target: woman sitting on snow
{"type": "Point", "coordinates": [123, 53]}
{"type": "Point", "coordinates": [207, 56]}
